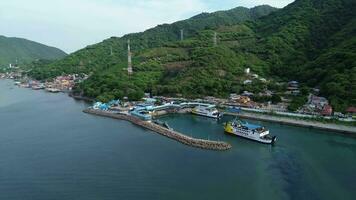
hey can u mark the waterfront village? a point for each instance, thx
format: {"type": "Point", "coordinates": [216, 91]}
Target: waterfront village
{"type": "Point", "coordinates": [316, 106]}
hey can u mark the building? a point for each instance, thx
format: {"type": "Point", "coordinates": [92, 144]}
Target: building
{"type": "Point", "coordinates": [255, 76]}
{"type": "Point", "coordinates": [294, 84]}
{"type": "Point", "coordinates": [317, 102]}
{"type": "Point", "coordinates": [247, 93]}
{"type": "Point", "coordinates": [351, 111]}
{"type": "Point", "coordinates": [246, 82]}
{"type": "Point", "coordinates": [327, 110]}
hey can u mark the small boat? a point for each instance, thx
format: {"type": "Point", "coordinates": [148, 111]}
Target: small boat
{"type": "Point", "coordinates": [38, 87]}
{"type": "Point", "coordinates": [207, 111]}
{"type": "Point", "coordinates": [249, 131]}
{"type": "Point", "coordinates": [53, 90]}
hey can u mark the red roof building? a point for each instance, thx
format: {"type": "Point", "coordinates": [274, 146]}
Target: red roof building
{"type": "Point", "coordinates": [327, 110]}
{"type": "Point", "coordinates": [351, 110]}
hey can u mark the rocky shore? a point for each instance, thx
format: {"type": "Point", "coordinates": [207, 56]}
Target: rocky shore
{"type": "Point", "coordinates": [81, 98]}
{"type": "Point", "coordinates": [194, 142]}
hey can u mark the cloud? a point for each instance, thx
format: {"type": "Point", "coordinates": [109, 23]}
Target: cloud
{"type": "Point", "coordinates": [74, 24]}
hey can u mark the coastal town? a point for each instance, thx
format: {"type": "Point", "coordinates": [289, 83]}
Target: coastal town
{"type": "Point", "coordinates": [316, 107]}
{"type": "Point", "coordinates": [197, 99]}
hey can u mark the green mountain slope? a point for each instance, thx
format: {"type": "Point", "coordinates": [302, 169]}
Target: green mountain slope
{"type": "Point", "coordinates": [98, 57]}
{"type": "Point", "coordinates": [24, 51]}
{"type": "Point", "coordinates": [312, 41]}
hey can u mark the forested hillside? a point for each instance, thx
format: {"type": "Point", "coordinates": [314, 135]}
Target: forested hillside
{"type": "Point", "coordinates": [25, 51]}
{"type": "Point", "coordinates": [312, 41]}
{"type": "Point", "coordinates": [98, 57]}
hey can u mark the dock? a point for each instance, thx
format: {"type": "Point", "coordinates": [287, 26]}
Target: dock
{"type": "Point", "coordinates": [190, 141]}
{"type": "Point", "coordinates": [348, 130]}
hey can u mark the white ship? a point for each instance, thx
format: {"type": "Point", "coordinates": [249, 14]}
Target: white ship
{"type": "Point", "coordinates": [207, 111]}
{"type": "Point", "coordinates": [250, 131]}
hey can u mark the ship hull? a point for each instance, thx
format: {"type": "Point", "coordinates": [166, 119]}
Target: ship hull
{"type": "Point", "coordinates": [206, 115]}
{"type": "Point", "coordinates": [265, 139]}
{"type": "Point", "coordinates": [259, 140]}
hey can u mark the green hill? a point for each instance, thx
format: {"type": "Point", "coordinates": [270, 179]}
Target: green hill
{"type": "Point", "coordinates": [312, 41]}
{"type": "Point", "coordinates": [98, 57]}
{"type": "Point", "coordinates": [25, 51]}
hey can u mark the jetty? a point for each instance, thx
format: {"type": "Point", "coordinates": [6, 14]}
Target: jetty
{"type": "Point", "coordinates": [190, 141]}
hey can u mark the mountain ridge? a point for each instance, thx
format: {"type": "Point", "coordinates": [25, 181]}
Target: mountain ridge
{"type": "Point", "coordinates": [21, 50]}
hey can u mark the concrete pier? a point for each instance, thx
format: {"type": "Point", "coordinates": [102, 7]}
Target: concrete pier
{"type": "Point", "coordinates": [349, 130]}
{"type": "Point", "coordinates": [194, 142]}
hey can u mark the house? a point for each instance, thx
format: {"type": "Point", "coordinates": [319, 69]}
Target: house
{"type": "Point", "coordinates": [244, 100]}
{"type": "Point", "coordinates": [293, 84]}
{"type": "Point", "coordinates": [317, 102]}
{"type": "Point", "coordinates": [316, 90]}
{"type": "Point", "coordinates": [255, 75]}
{"type": "Point", "coordinates": [351, 111]}
{"type": "Point", "coordinates": [247, 82]}
{"type": "Point", "coordinates": [293, 88]}
{"type": "Point", "coordinates": [234, 96]}
{"type": "Point", "coordinates": [327, 110]}
{"type": "Point", "coordinates": [263, 80]}
{"type": "Point", "coordinates": [247, 93]}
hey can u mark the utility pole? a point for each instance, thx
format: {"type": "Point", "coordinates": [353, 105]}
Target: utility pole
{"type": "Point", "coordinates": [215, 39]}
{"type": "Point", "coordinates": [129, 58]}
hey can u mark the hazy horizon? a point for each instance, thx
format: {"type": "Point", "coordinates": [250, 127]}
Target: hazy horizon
{"type": "Point", "coordinates": [70, 25]}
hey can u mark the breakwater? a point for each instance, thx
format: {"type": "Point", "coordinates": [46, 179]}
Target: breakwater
{"type": "Point", "coordinates": [296, 122]}
{"type": "Point", "coordinates": [194, 142]}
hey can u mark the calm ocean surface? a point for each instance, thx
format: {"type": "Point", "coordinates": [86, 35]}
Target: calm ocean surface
{"type": "Point", "coordinates": [49, 150]}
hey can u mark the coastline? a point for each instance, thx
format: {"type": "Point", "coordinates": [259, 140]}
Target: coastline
{"type": "Point", "coordinates": [349, 130]}
{"type": "Point", "coordinates": [190, 141]}
{"type": "Point", "coordinates": [81, 98]}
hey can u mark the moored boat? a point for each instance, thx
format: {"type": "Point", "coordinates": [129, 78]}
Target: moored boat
{"type": "Point", "coordinates": [53, 90]}
{"type": "Point", "coordinates": [249, 131]}
{"type": "Point", "coordinates": [207, 111]}
{"type": "Point", "coordinates": [38, 87]}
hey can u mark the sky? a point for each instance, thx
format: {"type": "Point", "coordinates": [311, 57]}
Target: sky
{"type": "Point", "coordinates": [73, 24]}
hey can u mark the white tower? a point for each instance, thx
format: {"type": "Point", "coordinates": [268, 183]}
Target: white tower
{"type": "Point", "coordinates": [129, 59]}
{"type": "Point", "coordinates": [181, 34]}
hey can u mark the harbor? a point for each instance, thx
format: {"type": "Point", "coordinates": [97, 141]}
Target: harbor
{"type": "Point", "coordinates": [194, 142]}
{"type": "Point", "coordinates": [76, 148]}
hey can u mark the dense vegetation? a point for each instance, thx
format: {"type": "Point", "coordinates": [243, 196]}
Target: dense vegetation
{"type": "Point", "coordinates": [25, 51]}
{"type": "Point", "coordinates": [312, 41]}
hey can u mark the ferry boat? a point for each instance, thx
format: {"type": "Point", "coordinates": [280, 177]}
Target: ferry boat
{"type": "Point", "coordinates": [249, 131]}
{"type": "Point", "coordinates": [207, 111]}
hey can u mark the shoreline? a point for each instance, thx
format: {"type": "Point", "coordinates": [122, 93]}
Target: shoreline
{"type": "Point", "coordinates": [343, 129]}
{"type": "Point", "coordinates": [81, 98]}
{"type": "Point", "coordinates": [347, 130]}
{"type": "Point", "coordinates": [179, 137]}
